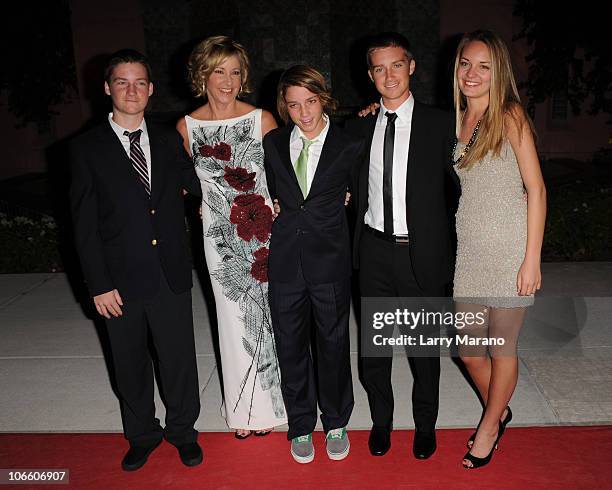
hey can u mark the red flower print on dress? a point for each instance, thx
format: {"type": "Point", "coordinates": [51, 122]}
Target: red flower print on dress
{"type": "Point", "coordinates": [221, 151]}
{"type": "Point", "coordinates": [207, 151]}
{"type": "Point", "coordinates": [239, 178]}
{"type": "Point", "coordinates": [252, 217]}
{"type": "Point", "coordinates": [259, 268]}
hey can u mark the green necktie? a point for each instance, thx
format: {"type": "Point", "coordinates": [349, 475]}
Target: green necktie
{"type": "Point", "coordinates": [301, 166]}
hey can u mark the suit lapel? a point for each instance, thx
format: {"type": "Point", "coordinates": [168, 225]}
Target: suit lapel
{"type": "Point", "coordinates": [329, 152]}
{"type": "Point", "coordinates": [418, 134]}
{"type": "Point", "coordinates": [156, 143]}
{"type": "Point", "coordinates": [365, 167]}
{"type": "Point", "coordinates": [282, 145]}
{"type": "Point", "coordinates": [117, 157]}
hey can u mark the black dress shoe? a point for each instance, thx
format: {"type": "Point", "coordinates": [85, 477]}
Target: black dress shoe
{"type": "Point", "coordinates": [137, 456]}
{"type": "Point", "coordinates": [190, 453]}
{"type": "Point", "coordinates": [379, 441]}
{"type": "Point", "coordinates": [424, 444]}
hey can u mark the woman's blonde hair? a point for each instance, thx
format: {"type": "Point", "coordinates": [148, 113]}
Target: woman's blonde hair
{"type": "Point", "coordinates": [208, 55]}
{"type": "Point", "coordinates": [504, 101]}
{"type": "Point", "coordinates": [308, 78]}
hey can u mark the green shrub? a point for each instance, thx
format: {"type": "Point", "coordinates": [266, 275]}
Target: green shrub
{"type": "Point", "coordinates": [579, 222]}
{"type": "Point", "coordinates": [29, 244]}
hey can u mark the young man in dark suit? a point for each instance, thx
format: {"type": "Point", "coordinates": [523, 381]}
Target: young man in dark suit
{"type": "Point", "coordinates": [309, 165]}
{"type": "Point", "coordinates": [128, 176]}
{"type": "Point", "coordinates": [402, 243]}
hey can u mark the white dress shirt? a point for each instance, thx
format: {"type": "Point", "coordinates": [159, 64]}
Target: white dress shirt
{"type": "Point", "coordinates": [375, 216]}
{"type": "Point", "coordinates": [314, 151]}
{"type": "Point", "coordinates": [125, 141]}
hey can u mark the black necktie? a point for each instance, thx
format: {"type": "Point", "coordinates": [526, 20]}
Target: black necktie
{"type": "Point", "coordinates": [139, 162]}
{"type": "Point", "coordinates": [388, 171]}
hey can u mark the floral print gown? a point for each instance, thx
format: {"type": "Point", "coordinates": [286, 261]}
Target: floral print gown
{"type": "Point", "coordinates": [237, 219]}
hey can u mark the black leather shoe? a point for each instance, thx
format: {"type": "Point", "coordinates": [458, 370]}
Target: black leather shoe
{"type": "Point", "coordinates": [190, 453]}
{"type": "Point", "coordinates": [424, 444]}
{"type": "Point", "coordinates": [379, 441]}
{"type": "Point", "coordinates": [137, 456]}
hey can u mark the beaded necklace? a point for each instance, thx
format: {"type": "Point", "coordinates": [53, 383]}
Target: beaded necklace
{"type": "Point", "coordinates": [468, 145]}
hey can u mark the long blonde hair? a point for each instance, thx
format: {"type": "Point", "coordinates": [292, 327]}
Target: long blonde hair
{"type": "Point", "coordinates": [504, 99]}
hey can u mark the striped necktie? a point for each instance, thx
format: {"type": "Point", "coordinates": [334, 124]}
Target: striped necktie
{"type": "Point", "coordinates": [139, 162]}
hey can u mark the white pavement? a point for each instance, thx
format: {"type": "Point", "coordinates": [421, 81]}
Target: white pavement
{"type": "Point", "coordinates": [53, 376]}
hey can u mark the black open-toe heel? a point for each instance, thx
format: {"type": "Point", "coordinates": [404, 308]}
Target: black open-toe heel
{"type": "Point", "coordinates": [470, 442]}
{"type": "Point", "coordinates": [480, 462]}
{"type": "Point", "coordinates": [504, 422]}
{"type": "Point", "coordinates": [507, 418]}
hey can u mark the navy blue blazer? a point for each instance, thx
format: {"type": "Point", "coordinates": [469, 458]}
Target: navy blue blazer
{"type": "Point", "coordinates": [123, 236]}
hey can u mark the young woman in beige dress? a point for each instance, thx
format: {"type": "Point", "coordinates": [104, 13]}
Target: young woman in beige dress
{"type": "Point", "coordinates": [500, 225]}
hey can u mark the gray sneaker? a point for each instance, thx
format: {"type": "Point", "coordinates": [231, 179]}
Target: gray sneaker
{"type": "Point", "coordinates": [338, 444]}
{"type": "Point", "coordinates": [302, 449]}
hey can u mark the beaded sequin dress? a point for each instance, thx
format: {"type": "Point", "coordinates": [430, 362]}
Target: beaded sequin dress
{"type": "Point", "coordinates": [237, 221]}
{"type": "Point", "coordinates": [491, 231]}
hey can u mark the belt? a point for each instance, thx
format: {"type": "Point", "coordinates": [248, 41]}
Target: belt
{"type": "Point", "coordinates": [403, 239]}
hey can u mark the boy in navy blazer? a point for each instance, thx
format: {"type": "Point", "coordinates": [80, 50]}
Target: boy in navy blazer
{"type": "Point", "coordinates": [128, 176]}
{"type": "Point", "coordinates": [309, 166]}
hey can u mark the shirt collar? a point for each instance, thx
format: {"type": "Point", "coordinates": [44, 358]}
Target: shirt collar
{"type": "Point", "coordinates": [297, 133]}
{"type": "Point", "coordinates": [120, 130]}
{"type": "Point", "coordinates": [404, 112]}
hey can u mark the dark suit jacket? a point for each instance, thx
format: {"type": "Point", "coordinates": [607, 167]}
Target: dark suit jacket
{"type": "Point", "coordinates": [429, 158]}
{"type": "Point", "coordinates": [312, 230]}
{"type": "Point", "coordinates": [121, 235]}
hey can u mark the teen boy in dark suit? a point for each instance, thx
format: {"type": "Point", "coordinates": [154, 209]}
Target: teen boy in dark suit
{"type": "Point", "coordinates": [128, 176]}
{"type": "Point", "coordinates": [309, 165]}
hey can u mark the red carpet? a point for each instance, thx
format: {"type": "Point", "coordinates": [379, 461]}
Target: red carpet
{"type": "Point", "coordinates": [540, 457]}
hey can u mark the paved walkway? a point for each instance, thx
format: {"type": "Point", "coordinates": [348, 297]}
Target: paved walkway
{"type": "Point", "coordinates": [53, 375]}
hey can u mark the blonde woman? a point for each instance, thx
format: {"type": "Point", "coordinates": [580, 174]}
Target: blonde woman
{"type": "Point", "coordinates": [224, 136]}
{"type": "Point", "coordinates": [499, 232]}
